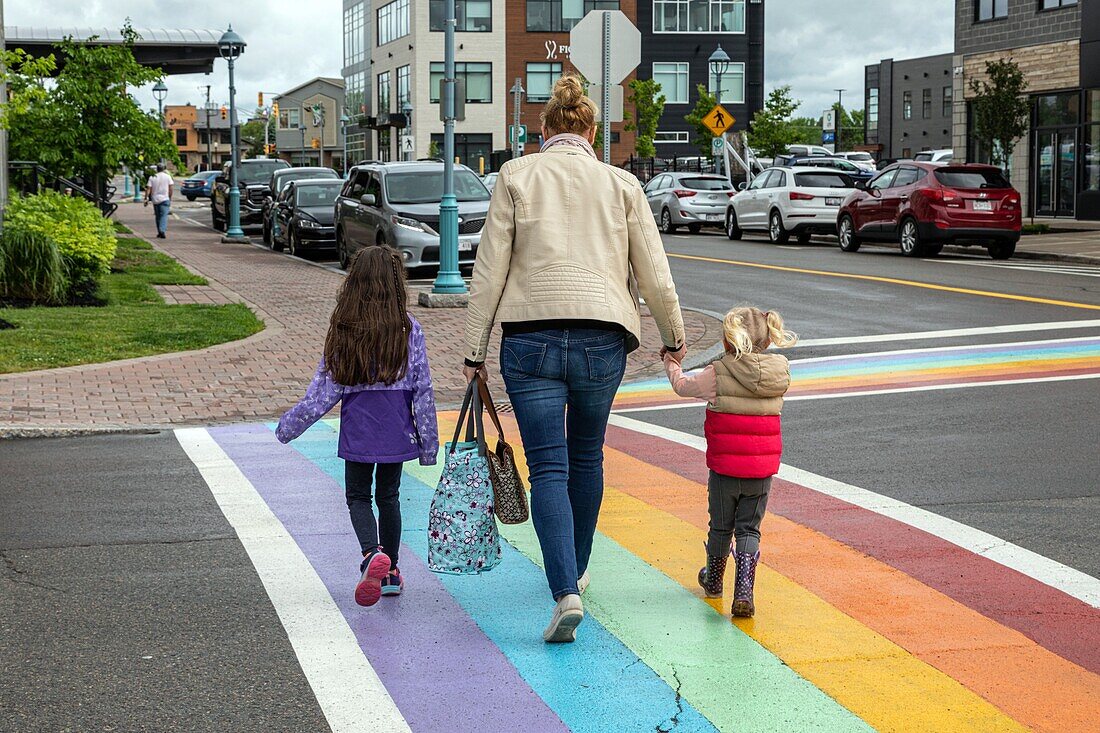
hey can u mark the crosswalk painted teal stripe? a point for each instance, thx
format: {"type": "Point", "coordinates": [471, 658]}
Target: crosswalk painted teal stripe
{"type": "Point", "coordinates": [595, 685]}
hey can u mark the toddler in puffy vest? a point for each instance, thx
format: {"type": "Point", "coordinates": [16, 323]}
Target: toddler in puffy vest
{"type": "Point", "coordinates": [744, 392]}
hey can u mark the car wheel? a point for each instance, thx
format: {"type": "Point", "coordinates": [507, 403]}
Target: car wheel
{"type": "Point", "coordinates": [910, 239]}
{"type": "Point", "coordinates": [695, 228]}
{"type": "Point", "coordinates": [776, 233]}
{"type": "Point", "coordinates": [1001, 250]}
{"type": "Point", "coordinates": [846, 232]}
{"type": "Point", "coordinates": [666, 222]}
{"type": "Point", "coordinates": [733, 231]}
{"type": "Point", "coordinates": [342, 251]}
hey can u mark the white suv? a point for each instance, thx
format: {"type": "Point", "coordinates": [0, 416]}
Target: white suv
{"type": "Point", "coordinates": [935, 156]}
{"type": "Point", "coordinates": [862, 159]}
{"type": "Point", "coordinates": [784, 201]}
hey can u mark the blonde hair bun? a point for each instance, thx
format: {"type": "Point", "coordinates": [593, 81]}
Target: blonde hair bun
{"type": "Point", "coordinates": [569, 109]}
{"type": "Point", "coordinates": [568, 92]}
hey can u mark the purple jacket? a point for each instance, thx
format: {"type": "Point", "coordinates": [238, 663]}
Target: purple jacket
{"type": "Point", "coordinates": [379, 423]}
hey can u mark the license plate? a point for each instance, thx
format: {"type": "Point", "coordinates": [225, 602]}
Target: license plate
{"type": "Point", "coordinates": [714, 217]}
{"type": "Point", "coordinates": [832, 201]}
{"type": "Point", "coordinates": [983, 206]}
{"type": "Point", "coordinates": [465, 246]}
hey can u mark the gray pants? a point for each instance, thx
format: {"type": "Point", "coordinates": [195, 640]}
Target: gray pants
{"type": "Point", "coordinates": [736, 509]}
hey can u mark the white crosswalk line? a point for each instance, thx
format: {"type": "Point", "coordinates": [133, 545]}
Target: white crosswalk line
{"type": "Point", "coordinates": [1052, 267]}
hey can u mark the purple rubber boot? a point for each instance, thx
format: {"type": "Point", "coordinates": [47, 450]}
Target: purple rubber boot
{"type": "Point", "coordinates": [742, 587]}
{"type": "Point", "coordinates": [712, 574]}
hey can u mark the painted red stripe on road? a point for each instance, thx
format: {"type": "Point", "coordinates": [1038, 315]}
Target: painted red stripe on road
{"type": "Point", "coordinates": [1047, 616]}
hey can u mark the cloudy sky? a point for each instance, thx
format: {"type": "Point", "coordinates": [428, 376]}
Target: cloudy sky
{"type": "Point", "coordinates": [813, 46]}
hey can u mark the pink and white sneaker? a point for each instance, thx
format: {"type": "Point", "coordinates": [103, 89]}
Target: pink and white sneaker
{"type": "Point", "coordinates": [375, 567]}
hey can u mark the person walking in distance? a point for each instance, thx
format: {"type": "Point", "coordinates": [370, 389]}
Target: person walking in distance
{"type": "Point", "coordinates": [744, 392]}
{"type": "Point", "coordinates": [375, 364]}
{"type": "Point", "coordinates": [158, 191]}
{"type": "Point", "coordinates": [565, 238]}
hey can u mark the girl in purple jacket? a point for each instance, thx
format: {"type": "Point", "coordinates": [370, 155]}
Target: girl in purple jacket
{"type": "Point", "coordinates": [386, 418]}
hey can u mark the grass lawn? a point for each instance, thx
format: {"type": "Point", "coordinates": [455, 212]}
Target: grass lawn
{"type": "Point", "coordinates": [135, 321]}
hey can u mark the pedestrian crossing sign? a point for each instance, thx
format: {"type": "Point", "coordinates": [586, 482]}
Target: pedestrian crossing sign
{"type": "Point", "coordinates": [718, 120]}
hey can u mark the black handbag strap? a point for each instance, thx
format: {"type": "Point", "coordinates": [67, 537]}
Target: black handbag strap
{"type": "Point", "coordinates": [471, 419]}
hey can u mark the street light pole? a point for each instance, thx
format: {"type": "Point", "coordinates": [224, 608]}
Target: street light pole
{"type": "Point", "coordinates": [344, 120]}
{"type": "Point", "coordinates": [231, 47]}
{"type": "Point", "coordinates": [839, 117]}
{"type": "Point", "coordinates": [719, 63]}
{"type": "Point", "coordinates": [209, 148]}
{"type": "Point", "coordinates": [3, 130]}
{"type": "Point", "coordinates": [449, 280]}
{"type": "Point", "coordinates": [160, 91]}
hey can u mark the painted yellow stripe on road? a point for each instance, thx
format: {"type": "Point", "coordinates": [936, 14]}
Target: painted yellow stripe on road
{"type": "Point", "coordinates": [892, 281]}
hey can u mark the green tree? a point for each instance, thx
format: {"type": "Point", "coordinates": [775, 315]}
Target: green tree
{"type": "Point", "coordinates": [252, 134]}
{"type": "Point", "coordinates": [703, 105]}
{"type": "Point", "coordinates": [807, 130]}
{"type": "Point", "coordinates": [85, 123]}
{"type": "Point", "coordinates": [649, 105]}
{"type": "Point", "coordinates": [1001, 110]}
{"type": "Point", "coordinates": [772, 129]}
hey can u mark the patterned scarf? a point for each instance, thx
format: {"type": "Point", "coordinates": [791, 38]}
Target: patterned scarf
{"type": "Point", "coordinates": [568, 138]}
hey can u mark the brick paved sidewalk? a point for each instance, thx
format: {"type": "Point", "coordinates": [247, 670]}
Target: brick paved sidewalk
{"type": "Point", "coordinates": [253, 379]}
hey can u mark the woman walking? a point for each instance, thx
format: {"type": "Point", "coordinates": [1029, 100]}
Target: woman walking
{"type": "Point", "coordinates": [566, 237]}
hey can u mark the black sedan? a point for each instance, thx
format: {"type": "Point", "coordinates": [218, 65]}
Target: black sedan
{"type": "Point", "coordinates": [304, 210]}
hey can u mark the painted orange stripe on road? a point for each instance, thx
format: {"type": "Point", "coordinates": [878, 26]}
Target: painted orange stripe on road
{"type": "Point", "coordinates": [1028, 682]}
{"type": "Point", "coordinates": [892, 281]}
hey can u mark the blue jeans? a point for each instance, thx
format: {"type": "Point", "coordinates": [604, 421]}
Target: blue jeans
{"type": "Point", "coordinates": [561, 385]}
{"type": "Point", "coordinates": [160, 211]}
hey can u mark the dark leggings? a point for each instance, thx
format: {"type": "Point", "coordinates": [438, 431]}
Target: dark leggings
{"type": "Point", "coordinates": [384, 534]}
{"type": "Point", "coordinates": [737, 507]}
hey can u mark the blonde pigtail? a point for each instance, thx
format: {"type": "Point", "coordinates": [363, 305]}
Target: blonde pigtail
{"type": "Point", "coordinates": [737, 336]}
{"type": "Point", "coordinates": [780, 336]}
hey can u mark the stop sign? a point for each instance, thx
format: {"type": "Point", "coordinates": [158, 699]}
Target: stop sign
{"type": "Point", "coordinates": [586, 46]}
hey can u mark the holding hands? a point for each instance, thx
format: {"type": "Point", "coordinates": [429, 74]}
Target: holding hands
{"type": "Point", "coordinates": [676, 356]}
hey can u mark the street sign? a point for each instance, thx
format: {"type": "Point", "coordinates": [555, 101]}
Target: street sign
{"type": "Point", "coordinates": [828, 119]}
{"type": "Point", "coordinates": [522, 134]}
{"type": "Point", "coordinates": [717, 145]}
{"type": "Point", "coordinates": [586, 46]}
{"type": "Point", "coordinates": [408, 147]}
{"type": "Point", "coordinates": [828, 136]}
{"type": "Point", "coordinates": [615, 111]}
{"type": "Point", "coordinates": [718, 120]}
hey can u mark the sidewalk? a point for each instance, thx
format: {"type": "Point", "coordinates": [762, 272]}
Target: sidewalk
{"type": "Point", "coordinates": [253, 379]}
{"type": "Point", "coordinates": [1068, 245]}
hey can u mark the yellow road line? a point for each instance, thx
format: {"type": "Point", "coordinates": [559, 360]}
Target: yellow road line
{"type": "Point", "coordinates": [892, 281]}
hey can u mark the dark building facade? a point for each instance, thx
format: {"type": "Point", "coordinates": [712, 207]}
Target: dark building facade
{"type": "Point", "coordinates": [1056, 43]}
{"type": "Point", "coordinates": [908, 106]}
{"type": "Point", "coordinates": [678, 38]}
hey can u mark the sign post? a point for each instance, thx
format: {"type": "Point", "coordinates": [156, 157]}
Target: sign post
{"type": "Point", "coordinates": [605, 45]}
{"type": "Point", "coordinates": [828, 129]}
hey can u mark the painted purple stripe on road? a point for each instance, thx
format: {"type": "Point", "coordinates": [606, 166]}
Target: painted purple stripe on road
{"type": "Point", "coordinates": [448, 677]}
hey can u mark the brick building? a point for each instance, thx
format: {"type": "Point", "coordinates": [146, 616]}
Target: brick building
{"type": "Point", "coordinates": [908, 106]}
{"type": "Point", "coordinates": [198, 140]}
{"type": "Point", "coordinates": [1057, 45]}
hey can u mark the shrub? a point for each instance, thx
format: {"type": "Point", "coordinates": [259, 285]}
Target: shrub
{"type": "Point", "coordinates": [31, 267]}
{"type": "Point", "coordinates": [84, 238]}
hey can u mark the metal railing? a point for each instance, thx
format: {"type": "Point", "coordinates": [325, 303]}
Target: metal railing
{"type": "Point", "coordinates": [30, 178]}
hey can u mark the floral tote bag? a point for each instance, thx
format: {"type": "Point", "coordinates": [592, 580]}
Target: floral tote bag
{"type": "Point", "coordinates": [462, 531]}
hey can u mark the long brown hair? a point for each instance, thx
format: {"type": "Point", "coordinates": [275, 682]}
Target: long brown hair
{"type": "Point", "coordinates": [368, 334]}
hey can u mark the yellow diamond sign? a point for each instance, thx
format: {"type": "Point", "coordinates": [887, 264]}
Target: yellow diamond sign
{"type": "Point", "coordinates": [718, 120]}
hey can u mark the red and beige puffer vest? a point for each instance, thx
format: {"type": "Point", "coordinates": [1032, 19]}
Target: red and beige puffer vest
{"type": "Point", "coordinates": [744, 434]}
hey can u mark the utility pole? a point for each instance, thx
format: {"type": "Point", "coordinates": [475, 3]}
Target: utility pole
{"type": "Point", "coordinates": [449, 280]}
{"type": "Point", "coordinates": [3, 131]}
{"type": "Point", "coordinates": [839, 117]}
{"type": "Point", "coordinates": [517, 93]}
{"type": "Point", "coordinates": [209, 142]}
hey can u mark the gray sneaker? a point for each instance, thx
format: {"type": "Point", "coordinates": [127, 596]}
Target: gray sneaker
{"type": "Point", "coordinates": [568, 615]}
{"type": "Point", "coordinates": [582, 583]}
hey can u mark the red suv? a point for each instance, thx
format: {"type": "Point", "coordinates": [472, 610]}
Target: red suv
{"type": "Point", "coordinates": [924, 206]}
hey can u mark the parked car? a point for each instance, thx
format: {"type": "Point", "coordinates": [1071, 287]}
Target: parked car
{"type": "Point", "coordinates": [200, 184]}
{"type": "Point", "coordinates": [924, 206]}
{"type": "Point", "coordinates": [785, 201]}
{"type": "Point", "coordinates": [855, 172]}
{"type": "Point", "coordinates": [490, 181]}
{"type": "Point", "coordinates": [397, 205]}
{"type": "Point", "coordinates": [934, 156]}
{"type": "Point", "coordinates": [860, 158]}
{"type": "Point", "coordinates": [691, 200]}
{"type": "Point", "coordinates": [252, 179]}
{"type": "Point", "coordinates": [275, 184]}
{"type": "Point", "coordinates": [885, 163]}
{"type": "Point", "coordinates": [304, 210]}
{"type": "Point", "coordinates": [808, 151]}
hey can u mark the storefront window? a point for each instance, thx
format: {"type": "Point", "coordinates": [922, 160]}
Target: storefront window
{"type": "Point", "coordinates": [1092, 158]}
{"type": "Point", "coordinates": [1054, 110]}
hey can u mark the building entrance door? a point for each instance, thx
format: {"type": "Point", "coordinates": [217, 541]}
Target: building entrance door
{"type": "Point", "coordinates": [1056, 172]}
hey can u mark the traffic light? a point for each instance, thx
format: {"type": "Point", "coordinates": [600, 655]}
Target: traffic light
{"type": "Point", "coordinates": [259, 99]}
{"type": "Point", "coordinates": [275, 110]}
{"type": "Point", "coordinates": [225, 113]}
{"type": "Point", "coordinates": [316, 143]}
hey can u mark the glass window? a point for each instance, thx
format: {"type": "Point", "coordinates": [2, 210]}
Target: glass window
{"type": "Point", "coordinates": [354, 93]}
{"type": "Point", "coordinates": [1057, 109]}
{"type": "Point", "coordinates": [905, 177]}
{"type": "Point", "coordinates": [948, 99]}
{"type": "Point", "coordinates": [317, 195]}
{"type": "Point", "coordinates": [671, 136]}
{"type": "Point", "coordinates": [706, 184]}
{"type": "Point", "coordinates": [699, 16]}
{"type": "Point", "coordinates": [990, 9]}
{"type": "Point", "coordinates": [926, 104]}
{"type": "Point", "coordinates": [673, 78]}
{"type": "Point", "coordinates": [884, 179]}
{"type": "Point", "coordinates": [872, 108]}
{"type": "Point", "coordinates": [358, 185]}
{"type": "Point", "coordinates": [426, 187]}
{"type": "Point", "coordinates": [778, 180]}
{"type": "Point", "coordinates": [907, 105]}
{"type": "Point", "coordinates": [963, 178]}
{"type": "Point", "coordinates": [562, 15]}
{"type": "Point", "coordinates": [181, 136]}
{"type": "Point", "coordinates": [733, 84]}
{"type": "Point", "coordinates": [402, 87]}
{"type": "Point", "coordinates": [822, 180]}
{"type": "Point", "coordinates": [540, 80]}
{"type": "Point", "coordinates": [353, 34]}
{"type": "Point", "coordinates": [1053, 4]}
{"type": "Point", "coordinates": [471, 16]}
{"type": "Point", "coordinates": [289, 118]}
{"type": "Point", "coordinates": [1092, 105]}
{"type": "Point", "coordinates": [393, 21]}
{"type": "Point", "coordinates": [478, 78]}
{"type": "Point", "coordinates": [761, 181]}
{"type": "Point", "coordinates": [1091, 180]}
{"type": "Point", "coordinates": [384, 92]}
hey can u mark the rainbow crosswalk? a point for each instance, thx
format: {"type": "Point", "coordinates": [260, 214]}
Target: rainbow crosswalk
{"type": "Point", "coordinates": [864, 621]}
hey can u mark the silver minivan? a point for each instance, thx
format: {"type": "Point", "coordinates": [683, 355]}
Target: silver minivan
{"type": "Point", "coordinates": [397, 205]}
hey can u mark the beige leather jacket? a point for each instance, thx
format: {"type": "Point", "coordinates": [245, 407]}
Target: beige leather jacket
{"type": "Point", "coordinates": [566, 238]}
